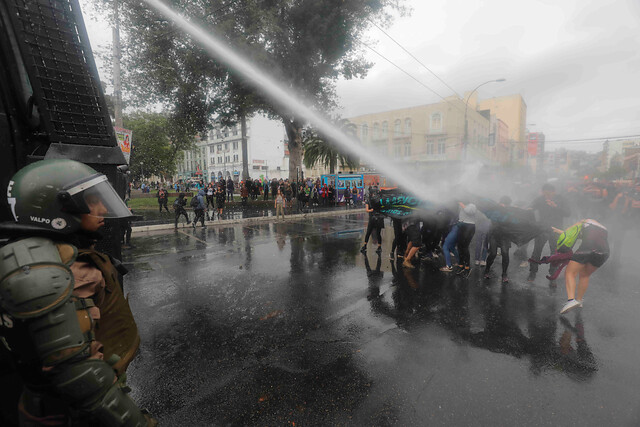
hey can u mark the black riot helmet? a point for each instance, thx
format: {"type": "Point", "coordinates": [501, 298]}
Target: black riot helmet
{"type": "Point", "coordinates": [52, 194]}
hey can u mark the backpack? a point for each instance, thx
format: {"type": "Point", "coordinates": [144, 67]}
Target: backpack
{"type": "Point", "coordinates": [194, 202]}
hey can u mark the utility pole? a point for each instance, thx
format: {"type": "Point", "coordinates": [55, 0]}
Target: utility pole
{"type": "Point", "coordinates": [245, 150]}
{"type": "Point", "coordinates": [117, 83]}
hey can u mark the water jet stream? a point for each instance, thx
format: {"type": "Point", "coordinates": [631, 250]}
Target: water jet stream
{"type": "Point", "coordinates": [284, 97]}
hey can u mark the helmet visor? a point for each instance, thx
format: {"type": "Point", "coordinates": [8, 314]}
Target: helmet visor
{"type": "Point", "coordinates": [100, 198]}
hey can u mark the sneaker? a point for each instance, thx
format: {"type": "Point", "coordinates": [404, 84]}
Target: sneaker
{"type": "Point", "coordinates": [505, 279]}
{"type": "Point", "coordinates": [487, 275]}
{"type": "Point", "coordinates": [446, 269]}
{"type": "Point", "coordinates": [391, 256]}
{"type": "Point", "coordinates": [379, 250]}
{"type": "Point", "coordinates": [477, 262]}
{"type": "Point", "coordinates": [408, 264]}
{"type": "Point", "coordinates": [532, 277]}
{"type": "Point", "coordinates": [465, 273]}
{"type": "Point", "coordinates": [524, 264]}
{"type": "Point", "coordinates": [570, 305]}
{"type": "Point", "coordinates": [363, 249]}
{"type": "Point", "coordinates": [580, 301]}
{"type": "Point", "coordinates": [483, 263]}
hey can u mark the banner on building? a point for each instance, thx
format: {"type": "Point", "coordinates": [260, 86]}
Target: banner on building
{"type": "Point", "coordinates": [124, 141]}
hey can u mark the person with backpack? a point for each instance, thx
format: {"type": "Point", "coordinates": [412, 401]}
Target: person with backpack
{"type": "Point", "coordinates": [178, 208]}
{"type": "Point", "coordinates": [591, 255]}
{"type": "Point", "coordinates": [199, 207]}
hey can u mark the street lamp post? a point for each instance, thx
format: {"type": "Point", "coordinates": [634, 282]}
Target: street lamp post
{"type": "Point", "coordinates": [466, 107]}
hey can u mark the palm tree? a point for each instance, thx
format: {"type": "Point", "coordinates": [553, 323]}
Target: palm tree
{"type": "Point", "coordinates": [318, 149]}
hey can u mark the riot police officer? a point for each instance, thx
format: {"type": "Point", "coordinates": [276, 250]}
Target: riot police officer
{"type": "Point", "coordinates": [65, 321]}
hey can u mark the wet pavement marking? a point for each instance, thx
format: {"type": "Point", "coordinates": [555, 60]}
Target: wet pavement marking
{"type": "Point", "coordinates": [190, 235]}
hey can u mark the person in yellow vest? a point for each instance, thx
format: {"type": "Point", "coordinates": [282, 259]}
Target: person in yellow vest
{"type": "Point", "coordinates": [591, 255]}
{"type": "Point", "coordinates": [64, 318]}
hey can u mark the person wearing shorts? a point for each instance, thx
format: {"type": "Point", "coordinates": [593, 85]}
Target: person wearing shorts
{"type": "Point", "coordinates": [591, 255]}
{"type": "Point", "coordinates": [414, 241]}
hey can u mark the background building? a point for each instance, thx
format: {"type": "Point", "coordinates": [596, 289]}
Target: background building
{"type": "Point", "coordinates": [535, 150]}
{"type": "Point", "coordinates": [218, 153]}
{"type": "Point", "coordinates": [433, 135]}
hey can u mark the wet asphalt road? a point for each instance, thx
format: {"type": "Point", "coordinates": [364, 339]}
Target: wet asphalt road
{"type": "Point", "coordinates": [287, 323]}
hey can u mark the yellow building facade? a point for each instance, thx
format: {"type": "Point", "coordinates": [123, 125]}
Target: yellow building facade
{"type": "Point", "coordinates": [512, 110]}
{"type": "Point", "coordinates": [422, 134]}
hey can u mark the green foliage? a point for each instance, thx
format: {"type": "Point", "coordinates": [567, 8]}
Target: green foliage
{"type": "Point", "coordinates": [305, 44]}
{"type": "Point", "coordinates": [320, 149]}
{"type": "Point", "coordinates": [156, 142]}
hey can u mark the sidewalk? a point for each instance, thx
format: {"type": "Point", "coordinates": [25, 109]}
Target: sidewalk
{"type": "Point", "coordinates": [249, 220]}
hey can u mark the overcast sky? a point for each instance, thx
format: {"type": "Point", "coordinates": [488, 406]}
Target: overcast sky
{"type": "Point", "coordinates": [576, 63]}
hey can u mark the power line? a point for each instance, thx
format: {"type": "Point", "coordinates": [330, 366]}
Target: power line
{"type": "Point", "coordinates": [416, 59]}
{"type": "Point", "coordinates": [408, 74]}
{"type": "Point", "coordinates": [604, 138]}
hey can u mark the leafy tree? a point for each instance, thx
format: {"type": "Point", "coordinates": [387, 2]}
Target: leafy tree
{"type": "Point", "coordinates": [154, 144]}
{"type": "Point", "coordinates": [320, 149]}
{"type": "Point", "coordinates": [306, 44]}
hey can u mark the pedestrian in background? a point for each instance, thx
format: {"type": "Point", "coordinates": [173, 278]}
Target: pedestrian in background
{"type": "Point", "coordinates": [230, 189]}
{"type": "Point", "coordinates": [550, 210]}
{"type": "Point", "coordinates": [220, 199]}
{"type": "Point", "coordinates": [280, 204]}
{"type": "Point", "coordinates": [200, 208]}
{"type": "Point", "coordinates": [162, 196]}
{"type": "Point", "coordinates": [179, 209]}
{"type": "Point", "coordinates": [376, 222]}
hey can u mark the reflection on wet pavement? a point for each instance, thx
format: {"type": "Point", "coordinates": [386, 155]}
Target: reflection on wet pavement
{"type": "Point", "coordinates": [286, 322]}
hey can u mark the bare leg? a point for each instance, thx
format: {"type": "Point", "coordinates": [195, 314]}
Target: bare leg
{"type": "Point", "coordinates": [583, 282]}
{"type": "Point", "coordinates": [406, 252]}
{"type": "Point", "coordinates": [573, 269]}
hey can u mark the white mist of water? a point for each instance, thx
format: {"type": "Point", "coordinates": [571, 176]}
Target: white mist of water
{"type": "Point", "coordinates": [286, 98]}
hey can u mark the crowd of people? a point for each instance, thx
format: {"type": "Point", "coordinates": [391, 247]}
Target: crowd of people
{"type": "Point", "coordinates": [210, 198]}
{"type": "Point", "coordinates": [444, 237]}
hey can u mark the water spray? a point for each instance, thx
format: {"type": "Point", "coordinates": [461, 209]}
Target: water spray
{"type": "Point", "coordinates": [285, 98]}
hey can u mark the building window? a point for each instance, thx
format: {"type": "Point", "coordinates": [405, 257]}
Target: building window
{"type": "Point", "coordinates": [397, 150]}
{"type": "Point", "coordinates": [385, 130]}
{"type": "Point", "coordinates": [436, 122]}
{"type": "Point", "coordinates": [235, 130]}
{"type": "Point", "coordinates": [226, 146]}
{"type": "Point", "coordinates": [226, 132]}
{"type": "Point", "coordinates": [235, 157]}
{"type": "Point", "coordinates": [365, 132]}
{"type": "Point", "coordinates": [407, 127]}
{"type": "Point", "coordinates": [376, 130]}
{"type": "Point", "coordinates": [227, 159]}
{"type": "Point", "coordinates": [407, 149]}
{"type": "Point", "coordinates": [219, 159]}
{"type": "Point", "coordinates": [397, 128]}
{"type": "Point", "coordinates": [442, 147]}
{"type": "Point", "coordinates": [430, 147]}
{"type": "Point", "coordinates": [211, 149]}
{"type": "Point", "coordinates": [213, 160]}
{"type": "Point", "coordinates": [219, 147]}
{"type": "Point", "coordinates": [235, 145]}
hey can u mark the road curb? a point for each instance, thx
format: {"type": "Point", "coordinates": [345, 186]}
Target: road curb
{"type": "Point", "coordinates": [160, 227]}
